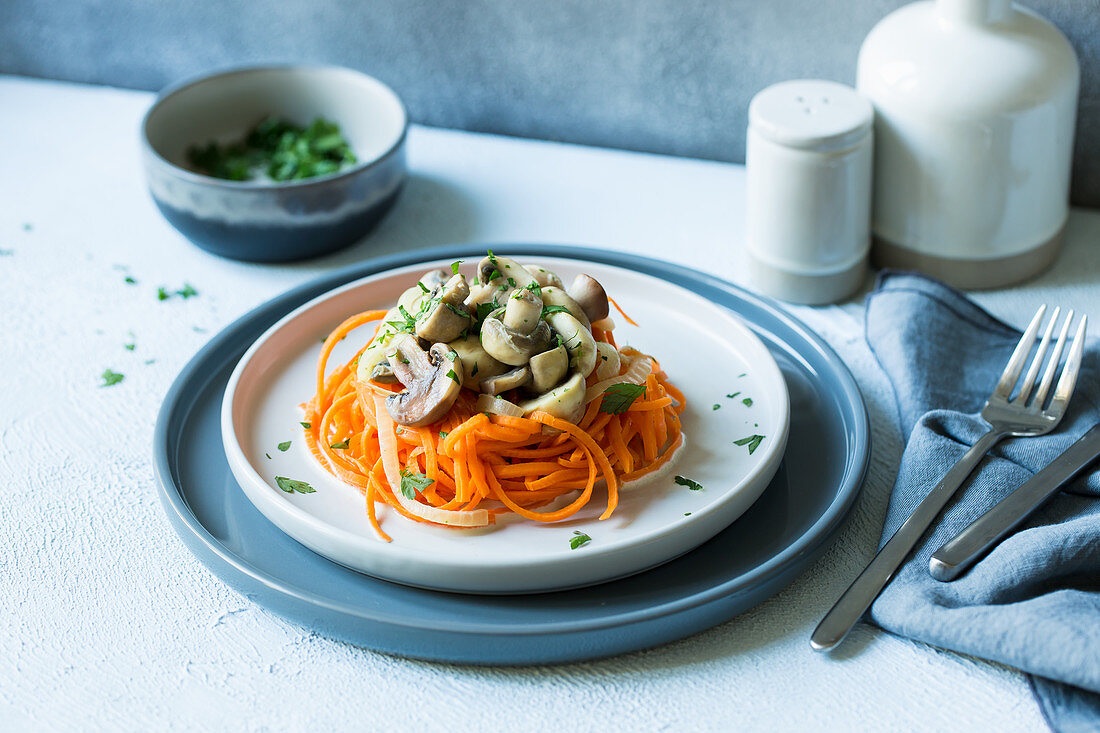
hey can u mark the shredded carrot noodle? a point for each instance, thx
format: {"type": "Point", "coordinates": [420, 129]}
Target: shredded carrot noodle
{"type": "Point", "coordinates": [479, 465]}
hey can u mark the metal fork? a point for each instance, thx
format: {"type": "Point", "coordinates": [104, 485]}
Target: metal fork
{"type": "Point", "coordinates": [1024, 415]}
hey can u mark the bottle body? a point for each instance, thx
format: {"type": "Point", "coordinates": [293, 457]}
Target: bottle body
{"type": "Point", "coordinates": [975, 104]}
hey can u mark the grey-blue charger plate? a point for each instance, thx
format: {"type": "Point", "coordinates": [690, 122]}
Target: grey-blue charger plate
{"type": "Point", "coordinates": [756, 556]}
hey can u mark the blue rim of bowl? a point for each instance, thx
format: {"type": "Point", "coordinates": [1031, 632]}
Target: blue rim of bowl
{"type": "Point", "coordinates": [199, 178]}
{"type": "Point", "coordinates": [825, 526]}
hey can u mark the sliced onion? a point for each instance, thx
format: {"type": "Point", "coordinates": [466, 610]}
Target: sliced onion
{"type": "Point", "coordinates": [604, 324]}
{"type": "Point", "coordinates": [497, 406]}
{"type": "Point", "coordinates": [387, 442]}
{"type": "Point", "coordinates": [608, 361]}
{"type": "Point", "coordinates": [638, 368]}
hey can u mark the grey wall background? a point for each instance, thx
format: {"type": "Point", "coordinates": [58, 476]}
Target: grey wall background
{"type": "Point", "coordinates": [668, 76]}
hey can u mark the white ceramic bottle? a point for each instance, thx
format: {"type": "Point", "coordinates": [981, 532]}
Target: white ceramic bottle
{"type": "Point", "coordinates": [975, 103]}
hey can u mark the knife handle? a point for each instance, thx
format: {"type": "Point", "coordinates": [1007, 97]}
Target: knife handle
{"type": "Point", "coordinates": [958, 554]}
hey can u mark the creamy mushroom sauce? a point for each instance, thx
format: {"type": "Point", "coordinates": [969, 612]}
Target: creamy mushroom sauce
{"type": "Point", "coordinates": [514, 329]}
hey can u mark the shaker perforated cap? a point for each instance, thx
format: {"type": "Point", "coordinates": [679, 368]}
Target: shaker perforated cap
{"type": "Point", "coordinates": [812, 114]}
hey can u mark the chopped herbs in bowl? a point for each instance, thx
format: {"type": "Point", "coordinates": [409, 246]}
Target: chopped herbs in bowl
{"type": "Point", "coordinates": [277, 150]}
{"type": "Point", "coordinates": [276, 163]}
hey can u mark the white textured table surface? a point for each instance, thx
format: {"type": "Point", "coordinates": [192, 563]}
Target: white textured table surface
{"type": "Point", "coordinates": [106, 620]}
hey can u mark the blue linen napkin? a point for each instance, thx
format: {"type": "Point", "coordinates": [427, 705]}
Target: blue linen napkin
{"type": "Point", "coordinates": [1034, 601]}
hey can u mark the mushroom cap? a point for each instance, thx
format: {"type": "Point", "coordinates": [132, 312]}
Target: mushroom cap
{"type": "Point", "coordinates": [544, 276]}
{"type": "Point", "coordinates": [512, 347]}
{"type": "Point", "coordinates": [577, 340]}
{"type": "Point", "coordinates": [522, 311]}
{"type": "Point", "coordinates": [503, 382]}
{"type": "Point", "coordinates": [432, 381]}
{"type": "Point", "coordinates": [476, 362]}
{"type": "Point", "coordinates": [548, 368]}
{"type": "Point", "coordinates": [566, 401]}
{"type": "Point", "coordinates": [588, 292]}
{"type": "Point", "coordinates": [552, 296]}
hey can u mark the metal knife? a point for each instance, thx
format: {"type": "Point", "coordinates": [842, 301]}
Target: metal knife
{"type": "Point", "coordinates": [956, 557]}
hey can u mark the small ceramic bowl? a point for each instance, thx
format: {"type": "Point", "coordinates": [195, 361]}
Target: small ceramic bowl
{"type": "Point", "coordinates": [266, 221]}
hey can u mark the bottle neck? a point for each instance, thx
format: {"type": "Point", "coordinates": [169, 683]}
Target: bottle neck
{"type": "Point", "coordinates": [980, 12]}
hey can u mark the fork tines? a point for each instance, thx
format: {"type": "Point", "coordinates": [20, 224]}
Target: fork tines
{"type": "Point", "coordinates": [1011, 375]}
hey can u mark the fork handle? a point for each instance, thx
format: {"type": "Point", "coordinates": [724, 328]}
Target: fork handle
{"type": "Point", "coordinates": [862, 592]}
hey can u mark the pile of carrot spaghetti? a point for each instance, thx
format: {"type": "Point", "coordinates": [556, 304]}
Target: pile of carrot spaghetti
{"type": "Point", "coordinates": [471, 466]}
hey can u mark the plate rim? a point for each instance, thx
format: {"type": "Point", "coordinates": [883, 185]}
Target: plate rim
{"type": "Point", "coordinates": [303, 526]}
{"type": "Point", "coordinates": [823, 528]}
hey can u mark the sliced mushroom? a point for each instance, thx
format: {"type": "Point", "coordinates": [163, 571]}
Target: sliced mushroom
{"type": "Point", "coordinates": [543, 276]}
{"type": "Point", "coordinates": [522, 311]}
{"type": "Point", "coordinates": [577, 340]}
{"type": "Point", "coordinates": [476, 362]}
{"type": "Point", "coordinates": [433, 278]}
{"type": "Point", "coordinates": [587, 291]}
{"type": "Point", "coordinates": [565, 401]}
{"type": "Point", "coordinates": [432, 381]}
{"type": "Point", "coordinates": [503, 382]}
{"type": "Point", "coordinates": [555, 298]}
{"type": "Point", "coordinates": [376, 352]}
{"type": "Point", "coordinates": [410, 299]}
{"type": "Point", "coordinates": [383, 373]}
{"type": "Point", "coordinates": [548, 368]}
{"type": "Point", "coordinates": [608, 362]}
{"type": "Point", "coordinates": [446, 317]}
{"type": "Point", "coordinates": [512, 347]}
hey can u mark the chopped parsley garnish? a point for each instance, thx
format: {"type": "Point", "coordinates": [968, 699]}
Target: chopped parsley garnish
{"type": "Point", "coordinates": [731, 396]}
{"type": "Point", "coordinates": [305, 425]}
{"type": "Point", "coordinates": [342, 445]}
{"type": "Point", "coordinates": [452, 355]}
{"type": "Point", "coordinates": [484, 309]}
{"type": "Point", "coordinates": [423, 286]}
{"type": "Point", "coordinates": [187, 291]}
{"type": "Point", "coordinates": [474, 372]}
{"type": "Point", "coordinates": [27, 227]}
{"type": "Point", "coordinates": [579, 539]}
{"type": "Point", "coordinates": [279, 149]}
{"type": "Point", "coordinates": [284, 446]}
{"type": "Point", "coordinates": [268, 456]}
{"type": "Point", "coordinates": [549, 309]}
{"type": "Point", "coordinates": [511, 282]}
{"type": "Point", "coordinates": [535, 288]}
{"type": "Point", "coordinates": [741, 374]}
{"type": "Point", "coordinates": [290, 485]}
{"type": "Point", "coordinates": [129, 280]}
{"type": "Point", "coordinates": [618, 398]}
{"type": "Point", "coordinates": [443, 433]}
{"type": "Point", "coordinates": [130, 346]}
{"type": "Point", "coordinates": [409, 324]}
{"type": "Point", "coordinates": [150, 361]}
{"type": "Point", "coordinates": [492, 276]}
{"type": "Point", "coordinates": [412, 482]}
{"type": "Point", "coordinates": [687, 514]}
{"type": "Point", "coordinates": [693, 485]}
{"type": "Point", "coordinates": [492, 257]}
{"type": "Point", "coordinates": [752, 441]}
{"type": "Point", "coordinates": [163, 294]}
{"type": "Point", "coordinates": [747, 402]}
{"type": "Point", "coordinates": [454, 266]}
{"type": "Point", "coordinates": [458, 311]}
{"type": "Point", "coordinates": [716, 406]}
{"type": "Point", "coordinates": [452, 375]}
{"type": "Point", "coordinates": [111, 378]}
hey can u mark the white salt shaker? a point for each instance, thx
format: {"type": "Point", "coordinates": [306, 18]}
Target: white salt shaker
{"type": "Point", "coordinates": [809, 190]}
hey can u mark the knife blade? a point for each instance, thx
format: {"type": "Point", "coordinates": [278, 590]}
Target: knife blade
{"type": "Point", "coordinates": [962, 551]}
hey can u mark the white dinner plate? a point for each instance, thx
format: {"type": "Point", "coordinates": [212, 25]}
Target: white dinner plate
{"type": "Point", "coordinates": [733, 387]}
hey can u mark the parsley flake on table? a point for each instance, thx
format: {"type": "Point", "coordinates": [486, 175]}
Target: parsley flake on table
{"type": "Point", "coordinates": [618, 398]}
{"type": "Point", "coordinates": [716, 406]}
{"type": "Point", "coordinates": [111, 378]}
{"type": "Point", "coordinates": [163, 294]}
{"type": "Point", "coordinates": [579, 539]}
{"type": "Point", "coordinates": [268, 456]}
{"type": "Point", "coordinates": [187, 291]}
{"type": "Point", "coordinates": [412, 482]}
{"type": "Point", "coordinates": [752, 441]}
{"type": "Point", "coordinates": [747, 402]}
{"type": "Point", "coordinates": [693, 485]}
{"type": "Point", "coordinates": [305, 425]}
{"type": "Point", "coordinates": [130, 346]}
{"type": "Point", "coordinates": [342, 445]}
{"type": "Point", "coordinates": [290, 485]}
{"type": "Point", "coordinates": [27, 227]}
{"type": "Point", "coordinates": [731, 396]}
{"type": "Point", "coordinates": [284, 446]}
{"type": "Point", "coordinates": [129, 280]}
